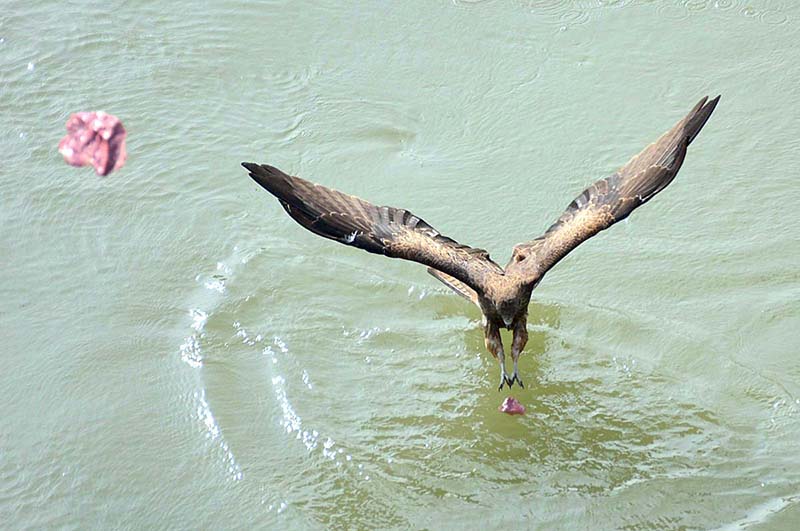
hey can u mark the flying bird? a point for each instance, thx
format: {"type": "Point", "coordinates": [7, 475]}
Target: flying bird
{"type": "Point", "coordinates": [502, 294]}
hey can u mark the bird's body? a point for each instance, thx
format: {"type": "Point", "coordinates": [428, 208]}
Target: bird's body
{"type": "Point", "coordinates": [502, 294]}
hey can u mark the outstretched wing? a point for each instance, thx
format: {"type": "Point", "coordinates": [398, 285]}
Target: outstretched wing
{"type": "Point", "coordinates": [390, 231]}
{"type": "Point", "coordinates": [612, 199]}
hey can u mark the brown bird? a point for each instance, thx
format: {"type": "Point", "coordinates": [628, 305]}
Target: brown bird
{"type": "Point", "coordinates": [501, 294]}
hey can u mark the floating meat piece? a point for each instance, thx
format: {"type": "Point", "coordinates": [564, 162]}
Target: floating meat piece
{"type": "Point", "coordinates": [95, 138]}
{"type": "Point", "coordinates": [512, 407]}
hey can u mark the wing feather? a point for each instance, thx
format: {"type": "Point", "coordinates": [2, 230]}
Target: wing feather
{"type": "Point", "coordinates": [393, 232]}
{"type": "Point", "coordinates": [612, 199]}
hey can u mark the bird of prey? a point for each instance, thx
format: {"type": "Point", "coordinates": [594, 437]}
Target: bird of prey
{"type": "Point", "coordinates": [502, 294]}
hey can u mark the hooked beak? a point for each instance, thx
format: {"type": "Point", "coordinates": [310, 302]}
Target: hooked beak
{"type": "Point", "coordinates": [508, 321]}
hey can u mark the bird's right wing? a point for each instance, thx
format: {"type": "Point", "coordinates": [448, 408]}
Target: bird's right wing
{"type": "Point", "coordinates": [390, 231]}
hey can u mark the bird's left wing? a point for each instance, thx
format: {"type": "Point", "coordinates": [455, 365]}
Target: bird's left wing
{"type": "Point", "coordinates": [390, 231]}
{"type": "Point", "coordinates": [612, 199]}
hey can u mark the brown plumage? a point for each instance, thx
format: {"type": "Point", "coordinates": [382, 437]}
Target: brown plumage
{"type": "Point", "coordinates": [501, 294]}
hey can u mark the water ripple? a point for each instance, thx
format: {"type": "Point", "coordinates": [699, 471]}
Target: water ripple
{"type": "Point", "coordinates": [762, 513]}
{"type": "Point", "coordinates": [774, 17]}
{"type": "Point", "coordinates": [190, 348]}
{"type": "Point", "coordinates": [277, 351]}
{"type": "Point", "coordinates": [206, 417]}
{"type": "Point", "coordinates": [683, 9]}
{"type": "Point", "coordinates": [207, 299]}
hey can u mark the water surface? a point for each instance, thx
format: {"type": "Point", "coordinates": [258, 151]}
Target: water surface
{"type": "Point", "coordinates": [178, 353]}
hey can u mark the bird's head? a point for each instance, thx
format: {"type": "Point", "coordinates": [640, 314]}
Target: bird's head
{"type": "Point", "coordinates": [511, 303]}
{"type": "Point", "coordinates": [508, 309]}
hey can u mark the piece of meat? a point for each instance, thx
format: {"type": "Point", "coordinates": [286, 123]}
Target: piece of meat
{"type": "Point", "coordinates": [512, 407]}
{"type": "Point", "coordinates": [95, 138]}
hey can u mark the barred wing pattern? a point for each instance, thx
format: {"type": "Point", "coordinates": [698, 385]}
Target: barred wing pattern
{"type": "Point", "coordinates": [390, 231]}
{"type": "Point", "coordinates": [612, 199]}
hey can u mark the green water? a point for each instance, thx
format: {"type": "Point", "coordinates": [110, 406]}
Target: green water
{"type": "Point", "coordinates": [178, 353]}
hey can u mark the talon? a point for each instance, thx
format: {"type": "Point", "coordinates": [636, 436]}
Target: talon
{"type": "Point", "coordinates": [514, 378]}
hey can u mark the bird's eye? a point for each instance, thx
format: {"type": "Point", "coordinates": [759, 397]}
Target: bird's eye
{"type": "Point", "coordinates": [520, 257]}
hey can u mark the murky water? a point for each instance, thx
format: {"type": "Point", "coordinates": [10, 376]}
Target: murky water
{"type": "Point", "coordinates": [178, 353]}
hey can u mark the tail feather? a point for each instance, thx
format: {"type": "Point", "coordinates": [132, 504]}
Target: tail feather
{"type": "Point", "coordinates": [456, 285]}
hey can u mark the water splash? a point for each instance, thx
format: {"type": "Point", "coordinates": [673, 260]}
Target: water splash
{"type": "Point", "coordinates": [290, 420]}
{"type": "Point", "coordinates": [214, 433]}
{"type": "Point", "coordinates": [214, 287]}
{"type": "Point", "coordinates": [190, 348]}
{"type": "Point", "coordinates": [208, 299]}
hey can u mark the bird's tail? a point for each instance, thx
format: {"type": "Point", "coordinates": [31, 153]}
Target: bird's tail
{"type": "Point", "coordinates": [456, 285]}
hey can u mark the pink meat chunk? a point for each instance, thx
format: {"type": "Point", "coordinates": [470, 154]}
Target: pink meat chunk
{"type": "Point", "coordinates": [512, 407]}
{"type": "Point", "coordinates": [95, 138]}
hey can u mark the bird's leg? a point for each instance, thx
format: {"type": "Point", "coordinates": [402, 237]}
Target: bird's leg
{"type": "Point", "coordinates": [520, 339]}
{"type": "Point", "coordinates": [494, 344]}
